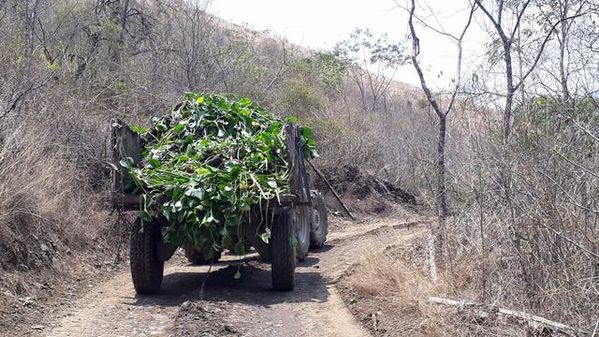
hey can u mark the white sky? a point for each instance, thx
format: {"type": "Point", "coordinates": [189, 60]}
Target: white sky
{"type": "Point", "coordinates": [319, 24]}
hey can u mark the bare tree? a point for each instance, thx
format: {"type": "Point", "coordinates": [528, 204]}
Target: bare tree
{"type": "Point", "coordinates": [438, 234]}
{"type": "Point", "coordinates": [507, 37]}
{"type": "Point", "coordinates": [372, 62]}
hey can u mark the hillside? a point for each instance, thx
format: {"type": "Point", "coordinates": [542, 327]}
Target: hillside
{"type": "Point", "coordinates": [499, 217]}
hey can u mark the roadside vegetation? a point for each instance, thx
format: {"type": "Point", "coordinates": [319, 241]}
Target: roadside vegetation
{"type": "Point", "coordinates": [507, 157]}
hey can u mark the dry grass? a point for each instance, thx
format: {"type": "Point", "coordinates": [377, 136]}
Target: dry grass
{"type": "Point", "coordinates": [46, 210]}
{"type": "Point", "coordinates": [393, 291]}
{"type": "Point", "coordinates": [378, 277]}
{"type": "Point", "coordinates": [55, 231]}
{"type": "Point", "coordinates": [35, 180]}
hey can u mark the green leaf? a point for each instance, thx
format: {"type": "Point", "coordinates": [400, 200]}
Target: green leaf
{"type": "Point", "coordinates": [237, 275]}
{"type": "Point", "coordinates": [265, 236]}
{"type": "Point", "coordinates": [293, 119]}
{"type": "Point", "coordinates": [194, 192]}
{"type": "Point", "coordinates": [239, 248]}
{"type": "Point", "coordinates": [154, 163]}
{"type": "Point", "coordinates": [145, 216]}
{"type": "Point", "coordinates": [245, 101]}
{"type": "Point", "coordinates": [203, 171]}
{"type": "Point", "coordinates": [179, 128]}
{"type": "Point", "coordinates": [138, 129]}
{"type": "Point", "coordinates": [127, 162]}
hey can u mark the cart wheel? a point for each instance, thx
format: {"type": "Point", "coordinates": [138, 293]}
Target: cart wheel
{"type": "Point", "coordinates": [146, 266]}
{"type": "Point", "coordinates": [302, 223]}
{"type": "Point", "coordinates": [319, 223]}
{"type": "Point", "coordinates": [283, 252]}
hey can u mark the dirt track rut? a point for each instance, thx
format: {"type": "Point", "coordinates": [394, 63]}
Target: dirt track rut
{"type": "Point", "coordinates": [314, 308]}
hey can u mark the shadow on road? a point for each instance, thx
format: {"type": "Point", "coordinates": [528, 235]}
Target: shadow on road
{"type": "Point", "coordinates": [253, 288]}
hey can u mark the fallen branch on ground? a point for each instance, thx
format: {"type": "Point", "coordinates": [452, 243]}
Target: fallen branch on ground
{"type": "Point", "coordinates": [332, 190]}
{"type": "Point", "coordinates": [534, 321]}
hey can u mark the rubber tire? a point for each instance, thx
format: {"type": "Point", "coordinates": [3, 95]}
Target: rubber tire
{"type": "Point", "coordinates": [283, 252]}
{"type": "Point", "coordinates": [146, 267]}
{"type": "Point", "coordinates": [302, 223]}
{"type": "Point", "coordinates": [318, 232]}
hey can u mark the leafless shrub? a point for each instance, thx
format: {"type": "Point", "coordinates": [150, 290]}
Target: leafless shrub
{"type": "Point", "coordinates": [43, 204]}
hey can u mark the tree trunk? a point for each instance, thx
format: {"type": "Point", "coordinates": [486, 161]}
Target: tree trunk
{"type": "Point", "coordinates": [441, 186]}
{"type": "Point", "coordinates": [509, 98]}
{"type": "Point", "coordinates": [562, 53]}
{"type": "Point", "coordinates": [441, 197]}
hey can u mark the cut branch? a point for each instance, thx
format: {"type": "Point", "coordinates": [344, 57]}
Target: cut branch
{"type": "Point", "coordinates": [532, 320]}
{"type": "Point", "coordinates": [332, 190]}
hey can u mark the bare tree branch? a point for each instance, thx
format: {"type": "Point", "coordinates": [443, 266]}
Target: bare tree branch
{"type": "Point", "coordinates": [519, 19]}
{"type": "Point", "coordinates": [542, 48]}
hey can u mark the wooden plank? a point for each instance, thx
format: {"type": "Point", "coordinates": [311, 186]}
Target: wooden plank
{"type": "Point", "coordinates": [299, 183]}
{"type": "Point", "coordinates": [124, 143]}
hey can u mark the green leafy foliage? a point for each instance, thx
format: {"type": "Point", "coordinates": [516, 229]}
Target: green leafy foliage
{"type": "Point", "coordinates": [207, 163]}
{"type": "Point", "coordinates": [548, 117]}
{"type": "Point", "coordinates": [363, 45]}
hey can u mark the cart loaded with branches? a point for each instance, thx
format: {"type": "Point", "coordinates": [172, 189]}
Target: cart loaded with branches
{"type": "Point", "coordinates": [216, 174]}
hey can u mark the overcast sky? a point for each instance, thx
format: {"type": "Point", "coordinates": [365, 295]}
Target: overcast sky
{"type": "Point", "coordinates": [319, 24]}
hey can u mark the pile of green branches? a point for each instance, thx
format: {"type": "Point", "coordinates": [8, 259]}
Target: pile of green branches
{"type": "Point", "coordinates": [206, 163]}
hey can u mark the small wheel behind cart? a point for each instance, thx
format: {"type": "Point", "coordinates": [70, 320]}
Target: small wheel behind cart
{"type": "Point", "coordinates": [302, 227]}
{"type": "Point", "coordinates": [146, 266]}
{"type": "Point", "coordinates": [283, 251]}
{"type": "Point", "coordinates": [319, 222]}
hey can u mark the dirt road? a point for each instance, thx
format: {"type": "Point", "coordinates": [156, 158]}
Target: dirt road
{"type": "Point", "coordinates": [223, 306]}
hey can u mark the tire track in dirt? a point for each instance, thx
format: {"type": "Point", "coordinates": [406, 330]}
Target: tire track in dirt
{"type": "Point", "coordinates": [314, 308]}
